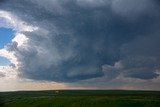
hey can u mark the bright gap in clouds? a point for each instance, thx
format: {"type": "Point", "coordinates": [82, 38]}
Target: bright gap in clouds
{"type": "Point", "coordinates": [4, 61]}
{"type": "Point", "coordinates": [6, 35]}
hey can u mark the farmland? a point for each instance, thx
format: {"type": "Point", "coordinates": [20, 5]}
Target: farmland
{"type": "Point", "coordinates": [80, 98]}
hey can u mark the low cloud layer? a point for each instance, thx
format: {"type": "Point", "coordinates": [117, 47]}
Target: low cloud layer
{"type": "Point", "coordinates": [72, 40]}
{"type": "Point", "coordinates": [2, 75]}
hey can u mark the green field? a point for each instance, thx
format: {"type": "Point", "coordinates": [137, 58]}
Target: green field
{"type": "Point", "coordinates": [80, 98]}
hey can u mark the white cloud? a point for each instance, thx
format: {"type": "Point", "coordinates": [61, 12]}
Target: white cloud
{"type": "Point", "coordinates": [8, 55]}
{"type": "Point", "coordinates": [10, 72]}
{"type": "Point", "coordinates": [14, 22]}
{"type": "Point", "coordinates": [20, 38]}
{"type": "Point", "coordinates": [11, 21]}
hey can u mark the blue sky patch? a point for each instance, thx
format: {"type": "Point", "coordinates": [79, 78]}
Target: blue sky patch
{"type": "Point", "coordinates": [4, 61]}
{"type": "Point", "coordinates": [6, 35]}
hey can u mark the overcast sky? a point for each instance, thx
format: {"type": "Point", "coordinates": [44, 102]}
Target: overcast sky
{"type": "Point", "coordinates": [85, 44]}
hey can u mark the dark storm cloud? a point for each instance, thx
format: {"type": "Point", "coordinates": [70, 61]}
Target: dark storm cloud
{"type": "Point", "coordinates": [83, 39]}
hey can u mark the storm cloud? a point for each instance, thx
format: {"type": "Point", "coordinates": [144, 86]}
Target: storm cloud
{"type": "Point", "coordinates": [84, 39]}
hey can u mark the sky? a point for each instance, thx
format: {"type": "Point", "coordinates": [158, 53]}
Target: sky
{"type": "Point", "coordinates": [6, 36]}
{"type": "Point", "coordinates": [79, 44]}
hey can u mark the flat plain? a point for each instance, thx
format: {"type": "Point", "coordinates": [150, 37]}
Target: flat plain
{"type": "Point", "coordinates": [80, 98]}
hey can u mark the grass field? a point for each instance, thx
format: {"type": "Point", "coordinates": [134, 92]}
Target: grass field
{"type": "Point", "coordinates": [80, 98]}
